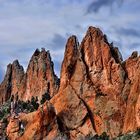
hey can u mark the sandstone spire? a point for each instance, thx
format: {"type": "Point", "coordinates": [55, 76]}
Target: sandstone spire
{"type": "Point", "coordinates": [39, 78]}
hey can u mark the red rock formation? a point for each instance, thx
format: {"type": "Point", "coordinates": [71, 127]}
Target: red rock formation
{"type": "Point", "coordinates": [12, 81]}
{"type": "Point", "coordinates": [38, 79]}
{"type": "Point", "coordinates": [40, 76]}
{"type": "Point", "coordinates": [37, 125]}
{"type": "Point", "coordinates": [92, 72]}
{"type": "Point", "coordinates": [132, 116]}
{"type": "Point", "coordinates": [99, 92]}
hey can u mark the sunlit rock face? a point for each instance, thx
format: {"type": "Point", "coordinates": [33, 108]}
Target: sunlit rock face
{"type": "Point", "coordinates": [92, 72]}
{"type": "Point", "coordinates": [39, 78]}
{"type": "Point", "coordinates": [95, 75]}
{"type": "Point", "coordinates": [41, 124]}
{"type": "Point", "coordinates": [98, 91]}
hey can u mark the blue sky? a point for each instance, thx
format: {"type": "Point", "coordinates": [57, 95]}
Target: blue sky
{"type": "Point", "coordinates": [29, 24]}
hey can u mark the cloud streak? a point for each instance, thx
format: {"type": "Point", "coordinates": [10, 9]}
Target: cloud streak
{"type": "Point", "coordinates": [129, 32]}
{"type": "Point", "coordinates": [96, 5]}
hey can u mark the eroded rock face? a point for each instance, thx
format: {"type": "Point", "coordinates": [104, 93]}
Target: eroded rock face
{"type": "Point", "coordinates": [12, 81]}
{"type": "Point", "coordinates": [96, 73]}
{"type": "Point", "coordinates": [39, 78]}
{"type": "Point", "coordinates": [103, 64]}
{"type": "Point", "coordinates": [132, 67]}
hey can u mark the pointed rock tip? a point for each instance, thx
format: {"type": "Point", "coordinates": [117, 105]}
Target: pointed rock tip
{"type": "Point", "coordinates": [72, 41]}
{"type": "Point", "coordinates": [15, 62]}
{"type": "Point", "coordinates": [134, 55]}
{"type": "Point", "coordinates": [37, 52]}
{"type": "Point", "coordinates": [9, 65]}
{"type": "Point", "coordinates": [73, 37]}
{"type": "Point", "coordinates": [92, 30]}
{"type": "Point", "coordinates": [43, 49]}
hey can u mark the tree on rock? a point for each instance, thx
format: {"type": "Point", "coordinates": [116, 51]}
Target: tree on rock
{"type": "Point", "coordinates": [45, 97]}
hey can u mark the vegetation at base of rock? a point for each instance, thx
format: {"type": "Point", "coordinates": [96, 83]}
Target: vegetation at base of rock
{"type": "Point", "coordinates": [45, 97]}
{"type": "Point", "coordinates": [129, 136]}
{"type": "Point", "coordinates": [34, 102]}
{"type": "Point", "coordinates": [5, 110]}
{"type": "Point", "coordinates": [28, 106]}
{"type": "Point", "coordinates": [104, 136]}
{"type": "Point", "coordinates": [62, 136]}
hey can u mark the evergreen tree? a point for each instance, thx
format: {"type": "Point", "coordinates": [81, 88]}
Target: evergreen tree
{"type": "Point", "coordinates": [45, 97]}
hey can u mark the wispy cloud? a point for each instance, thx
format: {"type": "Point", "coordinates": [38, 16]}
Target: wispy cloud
{"type": "Point", "coordinates": [96, 5]}
{"type": "Point", "coordinates": [129, 32]}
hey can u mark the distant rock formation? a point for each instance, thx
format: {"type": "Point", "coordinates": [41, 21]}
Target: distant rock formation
{"type": "Point", "coordinates": [38, 79]}
{"type": "Point", "coordinates": [12, 81]}
{"type": "Point", "coordinates": [99, 92]}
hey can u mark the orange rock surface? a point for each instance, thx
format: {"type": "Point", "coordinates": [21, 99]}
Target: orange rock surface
{"type": "Point", "coordinates": [98, 92]}
{"type": "Point", "coordinates": [39, 78]}
{"type": "Point", "coordinates": [41, 124]}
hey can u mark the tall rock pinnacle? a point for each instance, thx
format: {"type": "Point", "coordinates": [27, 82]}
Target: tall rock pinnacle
{"type": "Point", "coordinates": [12, 81]}
{"type": "Point", "coordinates": [40, 75]}
{"type": "Point", "coordinates": [39, 78]}
{"type": "Point", "coordinates": [94, 76]}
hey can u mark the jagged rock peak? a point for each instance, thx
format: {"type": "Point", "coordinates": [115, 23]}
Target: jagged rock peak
{"type": "Point", "coordinates": [71, 50]}
{"type": "Point", "coordinates": [17, 65]}
{"type": "Point", "coordinates": [94, 32]}
{"type": "Point", "coordinates": [92, 29]}
{"type": "Point", "coordinates": [41, 77]}
{"type": "Point", "coordinates": [8, 71]}
{"type": "Point", "coordinates": [134, 55]}
{"type": "Point", "coordinates": [41, 53]}
{"type": "Point", "coordinates": [72, 42]}
{"type": "Point", "coordinates": [16, 62]}
{"type": "Point", "coordinates": [12, 67]}
{"type": "Point", "coordinates": [37, 52]}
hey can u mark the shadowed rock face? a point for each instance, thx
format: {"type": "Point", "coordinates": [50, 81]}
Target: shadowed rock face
{"type": "Point", "coordinates": [12, 81]}
{"type": "Point", "coordinates": [99, 92]}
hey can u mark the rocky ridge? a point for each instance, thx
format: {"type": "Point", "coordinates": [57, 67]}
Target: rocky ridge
{"type": "Point", "coordinates": [38, 79]}
{"type": "Point", "coordinates": [98, 92]}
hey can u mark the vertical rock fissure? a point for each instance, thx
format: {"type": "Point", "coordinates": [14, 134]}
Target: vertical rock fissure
{"type": "Point", "coordinates": [90, 113]}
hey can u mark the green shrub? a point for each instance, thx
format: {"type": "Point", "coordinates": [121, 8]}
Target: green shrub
{"type": "Point", "coordinates": [104, 136]}
{"type": "Point", "coordinates": [45, 97]}
{"type": "Point", "coordinates": [34, 102]}
{"type": "Point", "coordinates": [4, 110]}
